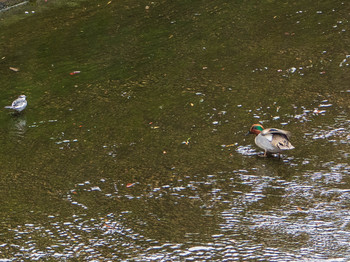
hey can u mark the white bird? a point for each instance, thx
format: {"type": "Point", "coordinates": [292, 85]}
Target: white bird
{"type": "Point", "coordinates": [19, 104]}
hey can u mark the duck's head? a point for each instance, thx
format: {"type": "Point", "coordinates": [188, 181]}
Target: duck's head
{"type": "Point", "coordinates": [256, 129]}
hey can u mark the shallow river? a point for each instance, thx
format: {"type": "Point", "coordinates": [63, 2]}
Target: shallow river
{"type": "Point", "coordinates": [133, 147]}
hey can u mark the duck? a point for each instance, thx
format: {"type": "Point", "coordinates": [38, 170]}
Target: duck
{"type": "Point", "coordinates": [272, 140]}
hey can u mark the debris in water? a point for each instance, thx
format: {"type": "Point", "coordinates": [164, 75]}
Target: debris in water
{"type": "Point", "coordinates": [186, 142]}
{"type": "Point", "coordinates": [14, 69]}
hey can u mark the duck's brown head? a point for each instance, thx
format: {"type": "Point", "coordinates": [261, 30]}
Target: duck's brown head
{"type": "Point", "coordinates": [256, 129]}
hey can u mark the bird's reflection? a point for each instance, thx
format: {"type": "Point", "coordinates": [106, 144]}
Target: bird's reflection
{"type": "Point", "coordinates": [18, 126]}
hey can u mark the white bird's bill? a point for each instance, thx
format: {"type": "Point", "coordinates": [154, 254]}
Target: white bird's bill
{"type": "Point", "coordinates": [19, 104]}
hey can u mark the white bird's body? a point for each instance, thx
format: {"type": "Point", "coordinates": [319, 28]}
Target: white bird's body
{"type": "Point", "coordinates": [19, 104]}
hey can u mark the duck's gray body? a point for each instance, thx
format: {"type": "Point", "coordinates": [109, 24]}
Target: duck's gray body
{"type": "Point", "coordinates": [273, 140]}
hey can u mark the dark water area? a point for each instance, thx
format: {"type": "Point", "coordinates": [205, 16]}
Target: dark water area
{"type": "Point", "coordinates": [8, 4]}
{"type": "Point", "coordinates": [133, 147]}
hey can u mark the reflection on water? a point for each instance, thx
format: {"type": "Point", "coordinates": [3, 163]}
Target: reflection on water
{"type": "Point", "coordinates": [18, 126]}
{"type": "Point", "coordinates": [260, 218]}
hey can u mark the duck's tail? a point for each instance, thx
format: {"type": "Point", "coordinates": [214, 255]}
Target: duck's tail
{"type": "Point", "coordinates": [286, 145]}
{"type": "Point", "coordinates": [10, 107]}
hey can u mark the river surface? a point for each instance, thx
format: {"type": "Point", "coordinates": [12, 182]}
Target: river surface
{"type": "Point", "coordinates": [133, 147]}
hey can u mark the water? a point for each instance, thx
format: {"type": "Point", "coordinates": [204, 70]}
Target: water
{"type": "Point", "coordinates": [133, 146]}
